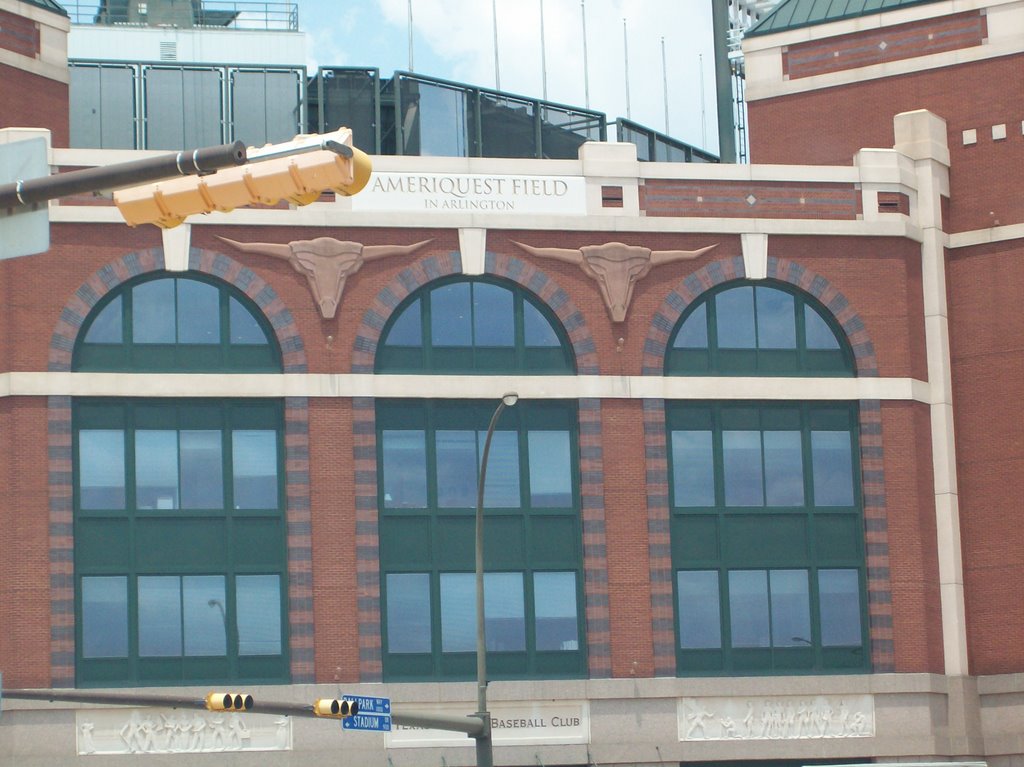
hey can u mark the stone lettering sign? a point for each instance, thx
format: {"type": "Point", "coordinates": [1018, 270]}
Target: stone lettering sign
{"type": "Point", "coordinates": [564, 722]}
{"type": "Point", "coordinates": [178, 731]}
{"type": "Point", "coordinates": [791, 717]}
{"type": "Point", "coordinates": [463, 192]}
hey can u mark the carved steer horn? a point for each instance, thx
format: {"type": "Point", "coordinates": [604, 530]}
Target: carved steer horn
{"type": "Point", "coordinates": [616, 267]}
{"type": "Point", "coordinates": [326, 263]}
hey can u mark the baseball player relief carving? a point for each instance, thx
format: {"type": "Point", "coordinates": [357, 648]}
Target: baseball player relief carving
{"type": "Point", "coordinates": [326, 262]}
{"type": "Point", "coordinates": [616, 267]}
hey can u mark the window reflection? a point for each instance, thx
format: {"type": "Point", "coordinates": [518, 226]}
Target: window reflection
{"type": "Point", "coordinates": [198, 312]}
{"type": "Point", "coordinates": [748, 608]}
{"type": "Point", "coordinates": [408, 612]}
{"type": "Point", "coordinates": [734, 315]}
{"type": "Point", "coordinates": [204, 615]}
{"type": "Point", "coordinates": [450, 315]}
{"type": "Point", "coordinates": [741, 467]}
{"type": "Point", "coordinates": [700, 625]}
{"type": "Point", "coordinates": [156, 469]}
{"type": "Point", "coordinates": [258, 603]}
{"type": "Point", "coordinates": [456, 468]}
{"type": "Point", "coordinates": [202, 470]}
{"type": "Point", "coordinates": [101, 470]}
{"type": "Point", "coordinates": [693, 334]}
{"type": "Point", "coordinates": [159, 616]}
{"type": "Point", "coordinates": [105, 617]}
{"type": "Point", "coordinates": [776, 319]}
{"type": "Point", "coordinates": [791, 608]}
{"type": "Point", "coordinates": [783, 468]}
{"type": "Point", "coordinates": [153, 312]}
{"type": "Point", "coordinates": [693, 470]}
{"type": "Point", "coordinates": [254, 465]}
{"type": "Point", "coordinates": [493, 323]}
{"type": "Point", "coordinates": [550, 469]}
{"type": "Point", "coordinates": [504, 612]}
{"type": "Point", "coordinates": [833, 468]}
{"type": "Point", "coordinates": [405, 469]}
{"type": "Point", "coordinates": [106, 327]}
{"type": "Point", "coordinates": [839, 595]}
{"type": "Point", "coordinates": [554, 607]}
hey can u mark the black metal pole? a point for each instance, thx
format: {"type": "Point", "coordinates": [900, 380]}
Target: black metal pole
{"type": "Point", "coordinates": [723, 82]}
{"type": "Point", "coordinates": [187, 163]}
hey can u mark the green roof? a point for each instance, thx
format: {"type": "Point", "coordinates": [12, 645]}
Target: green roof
{"type": "Point", "coordinates": [49, 5]}
{"type": "Point", "coordinates": [794, 14]}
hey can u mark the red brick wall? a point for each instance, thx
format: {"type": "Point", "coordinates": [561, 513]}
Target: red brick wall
{"type": "Point", "coordinates": [986, 287]}
{"type": "Point", "coordinates": [629, 574]}
{"type": "Point", "coordinates": [828, 126]}
{"type": "Point", "coordinates": [913, 562]}
{"type": "Point", "coordinates": [24, 544]}
{"type": "Point", "coordinates": [31, 101]}
{"type": "Point", "coordinates": [882, 280]}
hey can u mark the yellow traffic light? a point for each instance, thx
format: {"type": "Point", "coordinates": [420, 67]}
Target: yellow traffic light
{"type": "Point", "coordinates": [228, 701]}
{"type": "Point", "coordinates": [335, 709]}
{"type": "Point", "coordinates": [297, 171]}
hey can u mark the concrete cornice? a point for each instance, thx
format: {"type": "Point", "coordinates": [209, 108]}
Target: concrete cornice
{"type": "Point", "coordinates": [327, 385]}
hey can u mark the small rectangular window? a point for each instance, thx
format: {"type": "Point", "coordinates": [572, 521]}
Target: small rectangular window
{"type": "Point", "coordinates": [456, 469]}
{"type": "Point", "coordinates": [101, 472]}
{"type": "Point", "coordinates": [204, 615]}
{"type": "Point", "coordinates": [783, 468]}
{"type": "Point", "coordinates": [156, 469]}
{"type": "Point", "coordinates": [501, 490]}
{"type": "Point", "coordinates": [791, 608]}
{"type": "Point", "coordinates": [748, 608]}
{"type": "Point", "coordinates": [832, 461]}
{"type": "Point", "coordinates": [554, 607]}
{"type": "Point", "coordinates": [458, 612]}
{"type": "Point", "coordinates": [105, 617]}
{"type": "Point", "coordinates": [693, 469]}
{"type": "Point", "coordinates": [258, 605]}
{"type": "Point", "coordinates": [504, 612]}
{"type": "Point", "coordinates": [700, 620]}
{"type": "Point", "coordinates": [839, 595]}
{"type": "Point", "coordinates": [202, 469]}
{"type": "Point", "coordinates": [254, 465]}
{"type": "Point", "coordinates": [408, 612]}
{"type": "Point", "coordinates": [159, 616]}
{"type": "Point", "coordinates": [404, 470]}
{"type": "Point", "coordinates": [742, 468]}
{"type": "Point", "coordinates": [550, 469]}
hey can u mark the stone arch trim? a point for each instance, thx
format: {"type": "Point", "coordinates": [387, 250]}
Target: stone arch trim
{"type": "Point", "coordinates": [296, 439]}
{"type": "Point", "coordinates": [871, 455]}
{"type": "Point", "coordinates": [364, 440]}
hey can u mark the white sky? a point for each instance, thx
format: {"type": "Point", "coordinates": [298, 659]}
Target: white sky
{"type": "Point", "coordinates": [454, 39]}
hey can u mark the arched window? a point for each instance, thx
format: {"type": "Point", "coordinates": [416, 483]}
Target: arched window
{"type": "Point", "coordinates": [180, 569]}
{"type": "Point", "coordinates": [765, 497]}
{"type": "Point", "coordinates": [428, 454]}
{"type": "Point", "coordinates": [176, 324]}
{"type": "Point", "coordinates": [758, 329]}
{"type": "Point", "coordinates": [473, 326]}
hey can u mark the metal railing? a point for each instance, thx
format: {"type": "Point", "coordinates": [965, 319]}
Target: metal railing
{"type": "Point", "coordinates": [186, 14]}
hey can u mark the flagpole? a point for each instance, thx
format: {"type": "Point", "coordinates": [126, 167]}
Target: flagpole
{"type": "Point", "coordinates": [543, 55]}
{"type": "Point", "coordinates": [586, 68]}
{"type": "Point", "coordinates": [411, 69]}
{"type": "Point", "coordinates": [625, 49]}
{"type": "Point", "coordinates": [497, 73]}
{"type": "Point", "coordinates": [664, 80]}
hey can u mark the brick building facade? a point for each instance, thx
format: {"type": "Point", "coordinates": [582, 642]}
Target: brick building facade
{"type": "Point", "coordinates": [757, 500]}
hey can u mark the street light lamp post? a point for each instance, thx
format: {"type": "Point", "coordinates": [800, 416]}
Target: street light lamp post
{"type": "Point", "coordinates": [484, 750]}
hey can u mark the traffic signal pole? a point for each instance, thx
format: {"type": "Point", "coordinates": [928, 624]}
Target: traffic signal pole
{"type": "Point", "coordinates": [196, 162]}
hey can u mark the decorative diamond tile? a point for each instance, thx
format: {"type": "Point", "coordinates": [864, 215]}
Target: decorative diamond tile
{"type": "Point", "coordinates": [883, 45]}
{"type": "Point", "coordinates": [751, 199]}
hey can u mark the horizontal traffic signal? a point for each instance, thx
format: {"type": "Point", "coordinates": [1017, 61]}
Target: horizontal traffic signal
{"type": "Point", "coordinates": [298, 171]}
{"type": "Point", "coordinates": [335, 709]}
{"type": "Point", "coordinates": [228, 701]}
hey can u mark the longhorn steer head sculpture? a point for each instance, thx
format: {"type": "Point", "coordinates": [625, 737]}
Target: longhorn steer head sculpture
{"type": "Point", "coordinates": [616, 267]}
{"type": "Point", "coordinates": [326, 263]}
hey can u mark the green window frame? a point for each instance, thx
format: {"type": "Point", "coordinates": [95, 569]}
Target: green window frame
{"type": "Point", "coordinates": [170, 591]}
{"type": "Point", "coordinates": [427, 452]}
{"type": "Point", "coordinates": [763, 328]}
{"type": "Point", "coordinates": [185, 323]}
{"type": "Point", "coordinates": [767, 538]}
{"type": "Point", "coordinates": [474, 326]}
